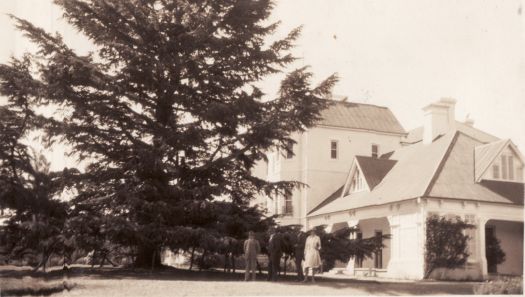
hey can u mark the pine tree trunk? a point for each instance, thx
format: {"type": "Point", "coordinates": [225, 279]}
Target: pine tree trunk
{"type": "Point", "coordinates": [93, 258]}
{"type": "Point", "coordinates": [191, 258]}
{"type": "Point", "coordinates": [147, 257]}
{"type": "Point", "coordinates": [285, 266]}
{"type": "Point", "coordinates": [201, 264]}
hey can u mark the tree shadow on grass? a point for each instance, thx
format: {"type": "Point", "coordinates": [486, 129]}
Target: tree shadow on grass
{"type": "Point", "coordinates": [372, 287]}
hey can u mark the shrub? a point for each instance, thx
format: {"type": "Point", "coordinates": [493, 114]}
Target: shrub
{"type": "Point", "coordinates": [446, 244]}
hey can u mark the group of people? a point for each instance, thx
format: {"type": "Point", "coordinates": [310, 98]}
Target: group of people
{"type": "Point", "coordinates": [307, 258]}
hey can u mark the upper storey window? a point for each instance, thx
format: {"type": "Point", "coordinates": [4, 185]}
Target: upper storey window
{"type": "Point", "coordinates": [507, 168]}
{"type": "Point", "coordinates": [375, 150]}
{"type": "Point", "coordinates": [333, 149]}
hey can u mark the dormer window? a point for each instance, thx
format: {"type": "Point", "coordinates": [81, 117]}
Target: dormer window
{"type": "Point", "coordinates": [357, 182]}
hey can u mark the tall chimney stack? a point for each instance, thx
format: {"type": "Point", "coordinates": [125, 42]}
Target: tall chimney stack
{"type": "Point", "coordinates": [439, 119]}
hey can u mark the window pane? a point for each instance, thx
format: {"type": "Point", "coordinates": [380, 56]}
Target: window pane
{"type": "Point", "coordinates": [375, 150]}
{"type": "Point", "coordinates": [504, 167]}
{"type": "Point", "coordinates": [333, 149]}
{"type": "Point", "coordinates": [495, 171]}
{"type": "Point", "coordinates": [288, 206]}
{"type": "Point", "coordinates": [511, 167]}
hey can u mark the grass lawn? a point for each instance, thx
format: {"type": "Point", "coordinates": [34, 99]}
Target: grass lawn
{"type": "Point", "coordinates": [173, 282]}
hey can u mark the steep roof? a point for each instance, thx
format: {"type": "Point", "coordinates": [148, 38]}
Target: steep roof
{"type": "Point", "coordinates": [360, 116]}
{"type": "Point", "coordinates": [510, 190]}
{"type": "Point", "coordinates": [408, 178]}
{"type": "Point", "coordinates": [455, 179]}
{"type": "Point", "coordinates": [330, 198]}
{"type": "Point", "coordinates": [374, 169]}
{"type": "Point", "coordinates": [444, 169]}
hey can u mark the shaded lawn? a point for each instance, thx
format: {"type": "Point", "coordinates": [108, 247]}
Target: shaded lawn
{"type": "Point", "coordinates": [170, 281]}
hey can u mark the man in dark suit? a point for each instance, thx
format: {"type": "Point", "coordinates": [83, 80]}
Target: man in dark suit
{"type": "Point", "coordinates": [275, 252]}
{"type": "Point", "coordinates": [299, 255]}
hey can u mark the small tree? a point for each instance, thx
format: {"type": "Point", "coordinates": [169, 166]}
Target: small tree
{"type": "Point", "coordinates": [446, 243]}
{"type": "Point", "coordinates": [495, 255]}
{"type": "Point", "coordinates": [336, 246]}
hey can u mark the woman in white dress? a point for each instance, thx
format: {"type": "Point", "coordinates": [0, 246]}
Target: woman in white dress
{"type": "Point", "coordinates": [312, 259]}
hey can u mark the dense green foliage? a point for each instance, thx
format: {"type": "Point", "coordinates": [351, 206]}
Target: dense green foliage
{"type": "Point", "coordinates": [446, 243]}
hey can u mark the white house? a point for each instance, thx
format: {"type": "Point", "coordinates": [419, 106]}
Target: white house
{"type": "Point", "coordinates": [323, 155]}
{"type": "Point", "coordinates": [447, 168]}
{"type": "Point", "coordinates": [386, 181]}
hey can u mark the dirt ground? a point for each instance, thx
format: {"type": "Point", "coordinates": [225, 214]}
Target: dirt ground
{"type": "Point", "coordinates": [172, 282]}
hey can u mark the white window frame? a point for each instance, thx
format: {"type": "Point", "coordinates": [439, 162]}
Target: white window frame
{"type": "Point", "coordinates": [377, 152]}
{"type": "Point", "coordinates": [332, 141]}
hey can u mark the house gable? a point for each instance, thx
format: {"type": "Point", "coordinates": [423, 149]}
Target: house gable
{"type": "Point", "coordinates": [355, 181]}
{"type": "Point", "coordinates": [498, 161]}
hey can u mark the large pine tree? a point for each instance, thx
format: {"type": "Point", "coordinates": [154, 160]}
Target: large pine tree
{"type": "Point", "coordinates": [165, 110]}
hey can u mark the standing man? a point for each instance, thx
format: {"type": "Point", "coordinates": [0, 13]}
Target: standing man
{"type": "Point", "coordinates": [251, 250]}
{"type": "Point", "coordinates": [299, 255]}
{"type": "Point", "coordinates": [275, 252]}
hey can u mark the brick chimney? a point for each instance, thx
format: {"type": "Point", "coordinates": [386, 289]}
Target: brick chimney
{"type": "Point", "coordinates": [439, 119]}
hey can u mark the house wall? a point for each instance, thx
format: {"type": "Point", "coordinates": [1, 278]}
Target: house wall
{"type": "Point", "coordinates": [312, 165]}
{"type": "Point", "coordinates": [406, 221]}
{"type": "Point", "coordinates": [326, 175]}
{"type": "Point", "coordinates": [407, 248]}
{"type": "Point", "coordinates": [403, 254]}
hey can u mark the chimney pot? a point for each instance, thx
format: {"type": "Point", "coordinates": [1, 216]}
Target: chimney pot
{"type": "Point", "coordinates": [439, 119]}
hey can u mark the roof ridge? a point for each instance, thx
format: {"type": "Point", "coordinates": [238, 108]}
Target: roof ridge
{"type": "Point", "coordinates": [441, 164]}
{"type": "Point", "coordinates": [353, 102]}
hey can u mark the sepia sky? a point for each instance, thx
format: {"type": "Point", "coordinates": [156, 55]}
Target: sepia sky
{"type": "Point", "coordinates": [399, 54]}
